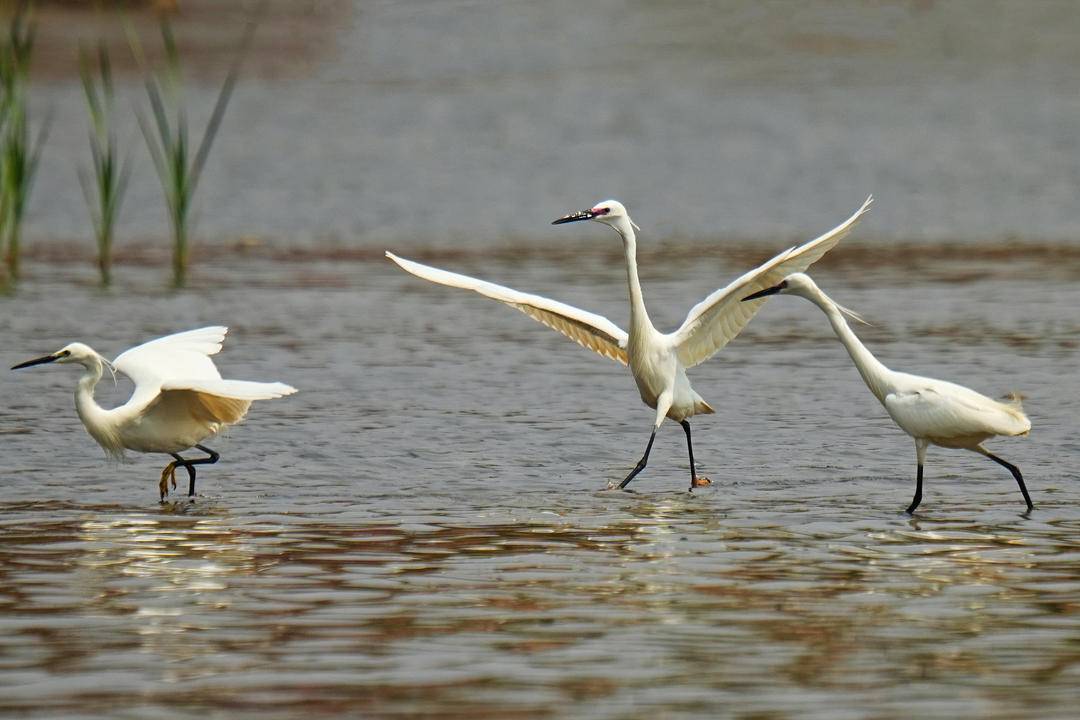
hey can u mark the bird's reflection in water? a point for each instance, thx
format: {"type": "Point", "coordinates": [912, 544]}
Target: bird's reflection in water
{"type": "Point", "coordinates": [169, 572]}
{"type": "Point", "coordinates": [403, 613]}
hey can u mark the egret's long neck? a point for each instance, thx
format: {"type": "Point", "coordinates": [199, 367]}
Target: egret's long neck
{"type": "Point", "coordinates": [874, 373]}
{"type": "Point", "coordinates": [639, 316]}
{"type": "Point", "coordinates": [93, 416]}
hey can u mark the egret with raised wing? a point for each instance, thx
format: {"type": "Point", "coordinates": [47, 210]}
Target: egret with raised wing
{"type": "Point", "coordinates": [657, 361]}
{"type": "Point", "coordinates": [933, 412]}
{"type": "Point", "coordinates": [180, 398]}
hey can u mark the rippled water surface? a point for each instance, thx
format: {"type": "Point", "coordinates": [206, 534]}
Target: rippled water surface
{"type": "Point", "coordinates": [420, 531]}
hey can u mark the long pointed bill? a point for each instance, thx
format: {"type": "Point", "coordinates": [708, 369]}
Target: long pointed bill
{"type": "Point", "coordinates": [38, 361]}
{"type": "Point", "coordinates": [766, 292]}
{"type": "Point", "coordinates": [575, 217]}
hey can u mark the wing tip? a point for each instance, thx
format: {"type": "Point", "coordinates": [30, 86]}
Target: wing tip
{"type": "Point", "coordinates": [274, 391]}
{"type": "Point", "coordinates": [217, 329]}
{"type": "Point", "coordinates": [220, 332]}
{"type": "Point", "coordinates": [408, 266]}
{"type": "Point", "coordinates": [863, 209]}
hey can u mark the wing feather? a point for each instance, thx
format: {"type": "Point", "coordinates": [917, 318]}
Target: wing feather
{"type": "Point", "coordinates": [716, 320]}
{"type": "Point", "coordinates": [204, 408]}
{"type": "Point", "coordinates": [181, 355]}
{"type": "Point", "coordinates": [214, 401]}
{"type": "Point", "coordinates": [234, 389]}
{"type": "Point", "coordinates": [185, 354]}
{"type": "Point", "coordinates": [589, 330]}
{"type": "Point", "coordinates": [944, 411]}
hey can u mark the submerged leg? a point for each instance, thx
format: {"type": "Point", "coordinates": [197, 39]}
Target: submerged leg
{"type": "Point", "coordinates": [1015, 473]}
{"type": "Point", "coordinates": [695, 481]}
{"type": "Point", "coordinates": [641, 463]}
{"type": "Point", "coordinates": [920, 454]}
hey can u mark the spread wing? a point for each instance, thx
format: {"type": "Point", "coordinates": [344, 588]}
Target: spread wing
{"type": "Point", "coordinates": [942, 410]}
{"type": "Point", "coordinates": [218, 401]}
{"type": "Point", "coordinates": [183, 355]}
{"type": "Point", "coordinates": [589, 330]}
{"type": "Point", "coordinates": [178, 368]}
{"type": "Point", "coordinates": [717, 319]}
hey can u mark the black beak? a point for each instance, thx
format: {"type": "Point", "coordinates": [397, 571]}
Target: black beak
{"type": "Point", "coordinates": [575, 217]}
{"type": "Point", "coordinates": [766, 292]}
{"type": "Point", "coordinates": [38, 361]}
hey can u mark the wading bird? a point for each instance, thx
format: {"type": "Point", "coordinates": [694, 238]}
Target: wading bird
{"type": "Point", "coordinates": [931, 411]}
{"type": "Point", "coordinates": [657, 361]}
{"type": "Point", "coordinates": [180, 398]}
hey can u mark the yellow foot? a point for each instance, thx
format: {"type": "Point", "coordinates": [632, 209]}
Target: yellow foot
{"type": "Point", "coordinates": [700, 482]}
{"type": "Point", "coordinates": [169, 473]}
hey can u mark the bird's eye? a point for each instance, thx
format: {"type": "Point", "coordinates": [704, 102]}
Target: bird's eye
{"type": "Point", "coordinates": [602, 211]}
{"type": "Point", "coordinates": [65, 353]}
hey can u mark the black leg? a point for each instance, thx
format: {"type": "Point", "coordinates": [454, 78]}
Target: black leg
{"type": "Point", "coordinates": [189, 464]}
{"type": "Point", "coordinates": [641, 463]}
{"type": "Point", "coordinates": [190, 470]}
{"type": "Point", "coordinates": [1016, 474]}
{"type": "Point", "coordinates": [918, 492]}
{"type": "Point", "coordinates": [212, 458]}
{"type": "Point", "coordinates": [690, 449]}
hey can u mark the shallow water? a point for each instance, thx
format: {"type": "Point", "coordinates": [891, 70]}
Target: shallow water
{"type": "Point", "coordinates": [420, 531]}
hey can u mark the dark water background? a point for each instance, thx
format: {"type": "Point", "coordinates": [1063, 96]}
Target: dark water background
{"type": "Point", "coordinates": [457, 122]}
{"type": "Point", "coordinates": [420, 532]}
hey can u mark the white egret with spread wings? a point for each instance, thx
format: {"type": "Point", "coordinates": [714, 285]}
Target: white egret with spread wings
{"type": "Point", "coordinates": [180, 398]}
{"type": "Point", "coordinates": [933, 412]}
{"type": "Point", "coordinates": [658, 361]}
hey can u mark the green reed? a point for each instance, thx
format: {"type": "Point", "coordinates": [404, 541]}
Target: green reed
{"type": "Point", "coordinates": [104, 190]}
{"type": "Point", "coordinates": [19, 152]}
{"type": "Point", "coordinates": [167, 138]}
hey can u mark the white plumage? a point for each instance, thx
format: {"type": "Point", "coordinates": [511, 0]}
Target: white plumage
{"type": "Point", "coordinates": [591, 331]}
{"type": "Point", "coordinates": [657, 361]}
{"type": "Point", "coordinates": [930, 411]}
{"type": "Point", "coordinates": [180, 398]}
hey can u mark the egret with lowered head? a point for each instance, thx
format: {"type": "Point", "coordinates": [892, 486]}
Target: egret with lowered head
{"type": "Point", "coordinates": [657, 361]}
{"type": "Point", "coordinates": [179, 401]}
{"type": "Point", "coordinates": [931, 411]}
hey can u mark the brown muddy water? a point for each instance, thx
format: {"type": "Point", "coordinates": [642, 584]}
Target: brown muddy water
{"type": "Point", "coordinates": [420, 533]}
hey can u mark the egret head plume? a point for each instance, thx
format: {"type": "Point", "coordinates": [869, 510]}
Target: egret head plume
{"type": "Point", "coordinates": [852, 314]}
{"type": "Point", "coordinates": [112, 369]}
